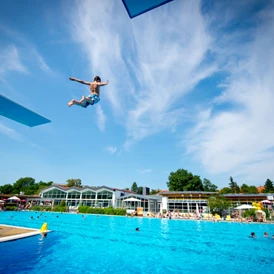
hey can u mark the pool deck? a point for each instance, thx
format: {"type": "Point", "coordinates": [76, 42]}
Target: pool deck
{"type": "Point", "coordinates": [11, 233]}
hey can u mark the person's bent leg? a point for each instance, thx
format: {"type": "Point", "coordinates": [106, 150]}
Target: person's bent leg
{"type": "Point", "coordinates": [74, 102]}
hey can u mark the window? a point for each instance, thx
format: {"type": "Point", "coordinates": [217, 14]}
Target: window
{"type": "Point", "coordinates": [88, 195]}
{"type": "Point", "coordinates": [54, 193]}
{"type": "Point", "coordinates": [74, 195]}
{"type": "Point", "coordinates": [104, 195]}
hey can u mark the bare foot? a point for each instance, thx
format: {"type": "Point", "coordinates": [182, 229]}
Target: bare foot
{"type": "Point", "coordinates": [71, 102]}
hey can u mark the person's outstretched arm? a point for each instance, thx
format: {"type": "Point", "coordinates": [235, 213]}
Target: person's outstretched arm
{"type": "Point", "coordinates": [79, 81]}
{"type": "Point", "coordinates": [103, 83]}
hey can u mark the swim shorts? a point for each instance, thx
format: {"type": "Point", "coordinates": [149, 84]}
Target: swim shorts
{"type": "Point", "coordinates": [94, 97]}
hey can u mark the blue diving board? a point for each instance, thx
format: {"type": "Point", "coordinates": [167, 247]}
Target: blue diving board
{"type": "Point", "coordinates": [137, 7]}
{"type": "Point", "coordinates": [20, 114]}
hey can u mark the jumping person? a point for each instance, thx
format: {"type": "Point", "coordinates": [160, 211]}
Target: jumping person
{"type": "Point", "coordinates": [92, 98]}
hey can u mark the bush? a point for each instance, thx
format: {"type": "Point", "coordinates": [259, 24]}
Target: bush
{"type": "Point", "coordinates": [107, 211]}
{"type": "Point", "coordinates": [62, 203]}
{"type": "Point", "coordinates": [250, 213]}
{"type": "Point", "coordinates": [59, 208]}
{"type": "Point", "coordinates": [11, 208]}
{"type": "Point", "coordinates": [267, 215]}
{"type": "Point", "coordinates": [40, 208]}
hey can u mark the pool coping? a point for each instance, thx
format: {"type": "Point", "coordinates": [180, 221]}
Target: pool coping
{"type": "Point", "coordinates": [17, 232]}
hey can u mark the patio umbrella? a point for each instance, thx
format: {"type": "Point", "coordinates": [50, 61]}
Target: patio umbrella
{"type": "Point", "coordinates": [266, 202]}
{"type": "Point", "coordinates": [244, 207]}
{"type": "Point", "coordinates": [14, 198]}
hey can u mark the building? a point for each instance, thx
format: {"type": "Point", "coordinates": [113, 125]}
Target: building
{"type": "Point", "coordinates": [189, 201]}
{"type": "Point", "coordinates": [102, 196]}
{"type": "Point", "coordinates": [185, 201]}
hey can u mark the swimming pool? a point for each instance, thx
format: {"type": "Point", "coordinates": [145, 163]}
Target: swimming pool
{"type": "Point", "coordinates": [110, 244]}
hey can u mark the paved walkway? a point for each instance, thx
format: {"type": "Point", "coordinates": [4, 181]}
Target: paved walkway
{"type": "Point", "coordinates": [9, 233]}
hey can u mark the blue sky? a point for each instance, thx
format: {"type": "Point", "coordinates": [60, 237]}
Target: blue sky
{"type": "Point", "coordinates": [190, 86]}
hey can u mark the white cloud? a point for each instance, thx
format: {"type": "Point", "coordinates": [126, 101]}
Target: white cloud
{"type": "Point", "coordinates": [144, 171]}
{"type": "Point", "coordinates": [99, 38]}
{"type": "Point", "coordinates": [152, 65]}
{"type": "Point", "coordinates": [101, 118]}
{"type": "Point", "coordinates": [111, 149]}
{"type": "Point", "coordinates": [28, 53]}
{"type": "Point", "coordinates": [239, 140]}
{"type": "Point", "coordinates": [153, 62]}
{"type": "Point", "coordinates": [40, 60]}
{"type": "Point", "coordinates": [10, 132]}
{"type": "Point", "coordinates": [169, 66]}
{"type": "Point", "coordinates": [10, 60]}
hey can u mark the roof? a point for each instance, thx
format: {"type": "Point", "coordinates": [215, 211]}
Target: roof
{"type": "Point", "coordinates": [187, 192]}
{"type": "Point", "coordinates": [248, 194]}
{"type": "Point", "coordinates": [80, 189]}
{"type": "Point", "coordinates": [147, 197]}
{"type": "Point", "coordinates": [260, 188]}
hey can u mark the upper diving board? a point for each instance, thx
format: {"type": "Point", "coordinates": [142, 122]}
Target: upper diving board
{"type": "Point", "coordinates": [20, 114]}
{"type": "Point", "coordinates": [137, 7]}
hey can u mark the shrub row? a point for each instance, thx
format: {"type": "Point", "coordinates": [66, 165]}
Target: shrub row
{"type": "Point", "coordinates": [107, 211]}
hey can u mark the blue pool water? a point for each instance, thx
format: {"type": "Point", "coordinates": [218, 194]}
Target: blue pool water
{"type": "Point", "coordinates": [106, 244]}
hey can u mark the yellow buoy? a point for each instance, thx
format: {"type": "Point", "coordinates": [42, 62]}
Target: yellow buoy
{"type": "Point", "coordinates": [44, 227]}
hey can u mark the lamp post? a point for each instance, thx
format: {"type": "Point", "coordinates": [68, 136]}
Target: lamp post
{"type": "Point", "coordinates": [183, 203]}
{"type": "Point", "coordinates": [199, 203]}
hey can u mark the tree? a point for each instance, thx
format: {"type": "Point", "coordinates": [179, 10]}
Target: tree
{"type": "Point", "coordinates": [182, 180]}
{"type": "Point", "coordinates": [74, 182]}
{"type": "Point", "coordinates": [140, 190]}
{"type": "Point", "coordinates": [253, 190]}
{"type": "Point", "coordinates": [234, 186]}
{"type": "Point", "coordinates": [154, 191]}
{"type": "Point", "coordinates": [218, 204]}
{"type": "Point", "coordinates": [134, 187]}
{"type": "Point", "coordinates": [249, 189]}
{"type": "Point", "coordinates": [225, 190]}
{"type": "Point", "coordinates": [25, 185]}
{"type": "Point", "coordinates": [195, 184]}
{"type": "Point", "coordinates": [244, 188]}
{"type": "Point", "coordinates": [42, 185]}
{"type": "Point", "coordinates": [208, 186]}
{"type": "Point", "coordinates": [6, 189]}
{"type": "Point", "coordinates": [268, 186]}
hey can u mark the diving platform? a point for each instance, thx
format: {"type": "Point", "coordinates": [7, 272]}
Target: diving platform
{"type": "Point", "coordinates": [20, 114]}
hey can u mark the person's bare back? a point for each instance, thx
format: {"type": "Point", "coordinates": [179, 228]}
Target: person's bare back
{"type": "Point", "coordinates": [94, 88]}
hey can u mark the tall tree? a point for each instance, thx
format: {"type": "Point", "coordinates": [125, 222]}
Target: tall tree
{"type": "Point", "coordinates": [208, 186]}
{"type": "Point", "coordinates": [140, 190]}
{"type": "Point", "coordinates": [42, 185]}
{"type": "Point", "coordinates": [6, 189]}
{"type": "Point", "coordinates": [268, 186]}
{"type": "Point", "coordinates": [134, 187]}
{"type": "Point", "coordinates": [74, 182]}
{"type": "Point", "coordinates": [249, 189]}
{"type": "Point", "coordinates": [253, 190]}
{"type": "Point", "coordinates": [234, 186]}
{"type": "Point", "coordinates": [182, 180]}
{"type": "Point", "coordinates": [195, 184]}
{"type": "Point", "coordinates": [23, 184]}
